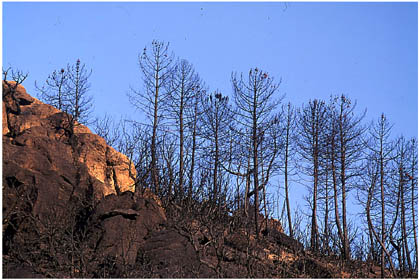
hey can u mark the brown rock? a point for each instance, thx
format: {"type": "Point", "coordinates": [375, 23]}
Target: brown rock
{"type": "Point", "coordinates": [5, 126]}
{"type": "Point", "coordinates": [38, 143]}
{"type": "Point", "coordinates": [126, 221]}
{"type": "Point", "coordinates": [171, 255]}
{"type": "Point", "coordinates": [45, 169]}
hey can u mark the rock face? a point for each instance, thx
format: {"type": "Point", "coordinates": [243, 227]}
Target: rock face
{"type": "Point", "coordinates": [126, 221]}
{"type": "Point", "coordinates": [34, 140]}
{"type": "Point", "coordinates": [45, 168]}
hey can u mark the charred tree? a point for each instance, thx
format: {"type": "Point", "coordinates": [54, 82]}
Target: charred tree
{"type": "Point", "coordinates": [254, 99]}
{"type": "Point", "coordinates": [312, 124]}
{"type": "Point", "coordinates": [157, 66]}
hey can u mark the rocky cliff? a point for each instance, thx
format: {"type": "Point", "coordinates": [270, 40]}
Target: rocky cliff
{"type": "Point", "coordinates": [70, 210]}
{"type": "Point", "coordinates": [63, 191]}
{"type": "Point", "coordinates": [34, 140]}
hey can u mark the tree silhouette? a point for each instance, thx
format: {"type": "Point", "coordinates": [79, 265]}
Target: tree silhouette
{"type": "Point", "coordinates": [67, 89]}
{"type": "Point", "coordinates": [312, 125]}
{"type": "Point", "coordinates": [156, 65]}
{"type": "Point", "coordinates": [183, 87]}
{"type": "Point", "coordinates": [254, 99]}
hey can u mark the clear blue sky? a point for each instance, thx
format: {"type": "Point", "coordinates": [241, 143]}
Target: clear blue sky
{"type": "Point", "coordinates": [365, 50]}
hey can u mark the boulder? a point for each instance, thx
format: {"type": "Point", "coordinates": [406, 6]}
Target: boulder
{"type": "Point", "coordinates": [125, 220]}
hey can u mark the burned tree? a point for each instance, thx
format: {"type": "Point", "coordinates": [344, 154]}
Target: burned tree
{"type": "Point", "coordinates": [343, 152]}
{"type": "Point", "coordinates": [156, 65]}
{"type": "Point", "coordinates": [290, 116]}
{"type": "Point", "coordinates": [79, 104]}
{"type": "Point", "coordinates": [413, 181]}
{"type": "Point", "coordinates": [194, 114]}
{"type": "Point", "coordinates": [67, 89]}
{"type": "Point", "coordinates": [254, 99]}
{"type": "Point", "coordinates": [312, 124]}
{"type": "Point", "coordinates": [381, 154]}
{"type": "Point", "coordinates": [183, 86]}
{"type": "Point", "coordinates": [215, 121]}
{"type": "Point", "coordinates": [13, 78]}
{"type": "Point", "coordinates": [401, 188]}
{"type": "Point", "coordinates": [54, 91]}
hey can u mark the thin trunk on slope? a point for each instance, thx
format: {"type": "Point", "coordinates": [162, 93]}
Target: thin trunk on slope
{"type": "Point", "coordinates": [216, 161]}
{"type": "Point", "coordinates": [403, 178]}
{"type": "Point", "coordinates": [377, 237]}
{"type": "Point", "coordinates": [326, 234]}
{"type": "Point", "coordinates": [414, 186]}
{"type": "Point", "coordinates": [382, 175]}
{"type": "Point", "coordinates": [156, 66]}
{"type": "Point", "coordinates": [193, 150]}
{"type": "Point", "coordinates": [255, 161]}
{"type": "Point", "coordinates": [154, 132]}
{"type": "Point", "coordinates": [332, 156]}
{"type": "Point", "coordinates": [414, 220]}
{"type": "Point", "coordinates": [247, 186]}
{"type": "Point", "coordinates": [345, 237]}
{"type": "Point", "coordinates": [316, 151]}
{"type": "Point", "coordinates": [181, 144]}
{"type": "Point", "coordinates": [286, 173]}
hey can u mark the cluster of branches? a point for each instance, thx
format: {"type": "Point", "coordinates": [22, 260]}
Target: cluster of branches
{"type": "Point", "coordinates": [198, 145]}
{"type": "Point", "coordinates": [388, 193]}
{"type": "Point", "coordinates": [67, 90]}
{"type": "Point", "coordinates": [195, 144]}
{"type": "Point", "coordinates": [343, 156]}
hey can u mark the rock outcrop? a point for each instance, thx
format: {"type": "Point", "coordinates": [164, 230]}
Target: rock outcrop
{"type": "Point", "coordinates": [35, 140]}
{"type": "Point", "coordinates": [46, 169]}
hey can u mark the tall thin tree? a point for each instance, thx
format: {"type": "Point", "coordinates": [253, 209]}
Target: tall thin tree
{"type": "Point", "coordinates": [312, 124]}
{"type": "Point", "coordinates": [156, 65]}
{"type": "Point", "coordinates": [254, 99]}
{"type": "Point", "coordinates": [182, 86]}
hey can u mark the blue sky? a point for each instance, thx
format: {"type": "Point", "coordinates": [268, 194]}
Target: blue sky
{"type": "Point", "coordinates": [365, 50]}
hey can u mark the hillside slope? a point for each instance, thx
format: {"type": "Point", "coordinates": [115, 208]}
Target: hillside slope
{"type": "Point", "coordinates": [70, 210]}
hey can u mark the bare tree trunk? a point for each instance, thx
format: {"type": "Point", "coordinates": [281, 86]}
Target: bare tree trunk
{"type": "Point", "coordinates": [247, 187]}
{"type": "Point", "coordinates": [334, 177]}
{"type": "Point", "coordinates": [264, 179]}
{"type": "Point", "coordinates": [403, 224]}
{"type": "Point", "coordinates": [326, 234]}
{"type": "Point", "coordinates": [312, 120]}
{"type": "Point", "coordinates": [378, 238]}
{"type": "Point", "coordinates": [314, 226]}
{"type": "Point", "coordinates": [238, 192]}
{"type": "Point", "coordinates": [193, 150]}
{"type": "Point", "coordinates": [413, 200]}
{"type": "Point", "coordinates": [394, 222]}
{"type": "Point", "coordinates": [286, 161]}
{"type": "Point", "coordinates": [154, 132]}
{"type": "Point", "coordinates": [255, 160]}
{"type": "Point", "coordinates": [181, 145]}
{"type": "Point", "coordinates": [382, 175]}
{"type": "Point", "coordinates": [414, 221]}
{"type": "Point", "coordinates": [372, 245]}
{"type": "Point", "coordinates": [345, 237]}
{"type": "Point", "coordinates": [216, 162]}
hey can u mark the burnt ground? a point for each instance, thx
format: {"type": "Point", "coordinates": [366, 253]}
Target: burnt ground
{"type": "Point", "coordinates": [137, 236]}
